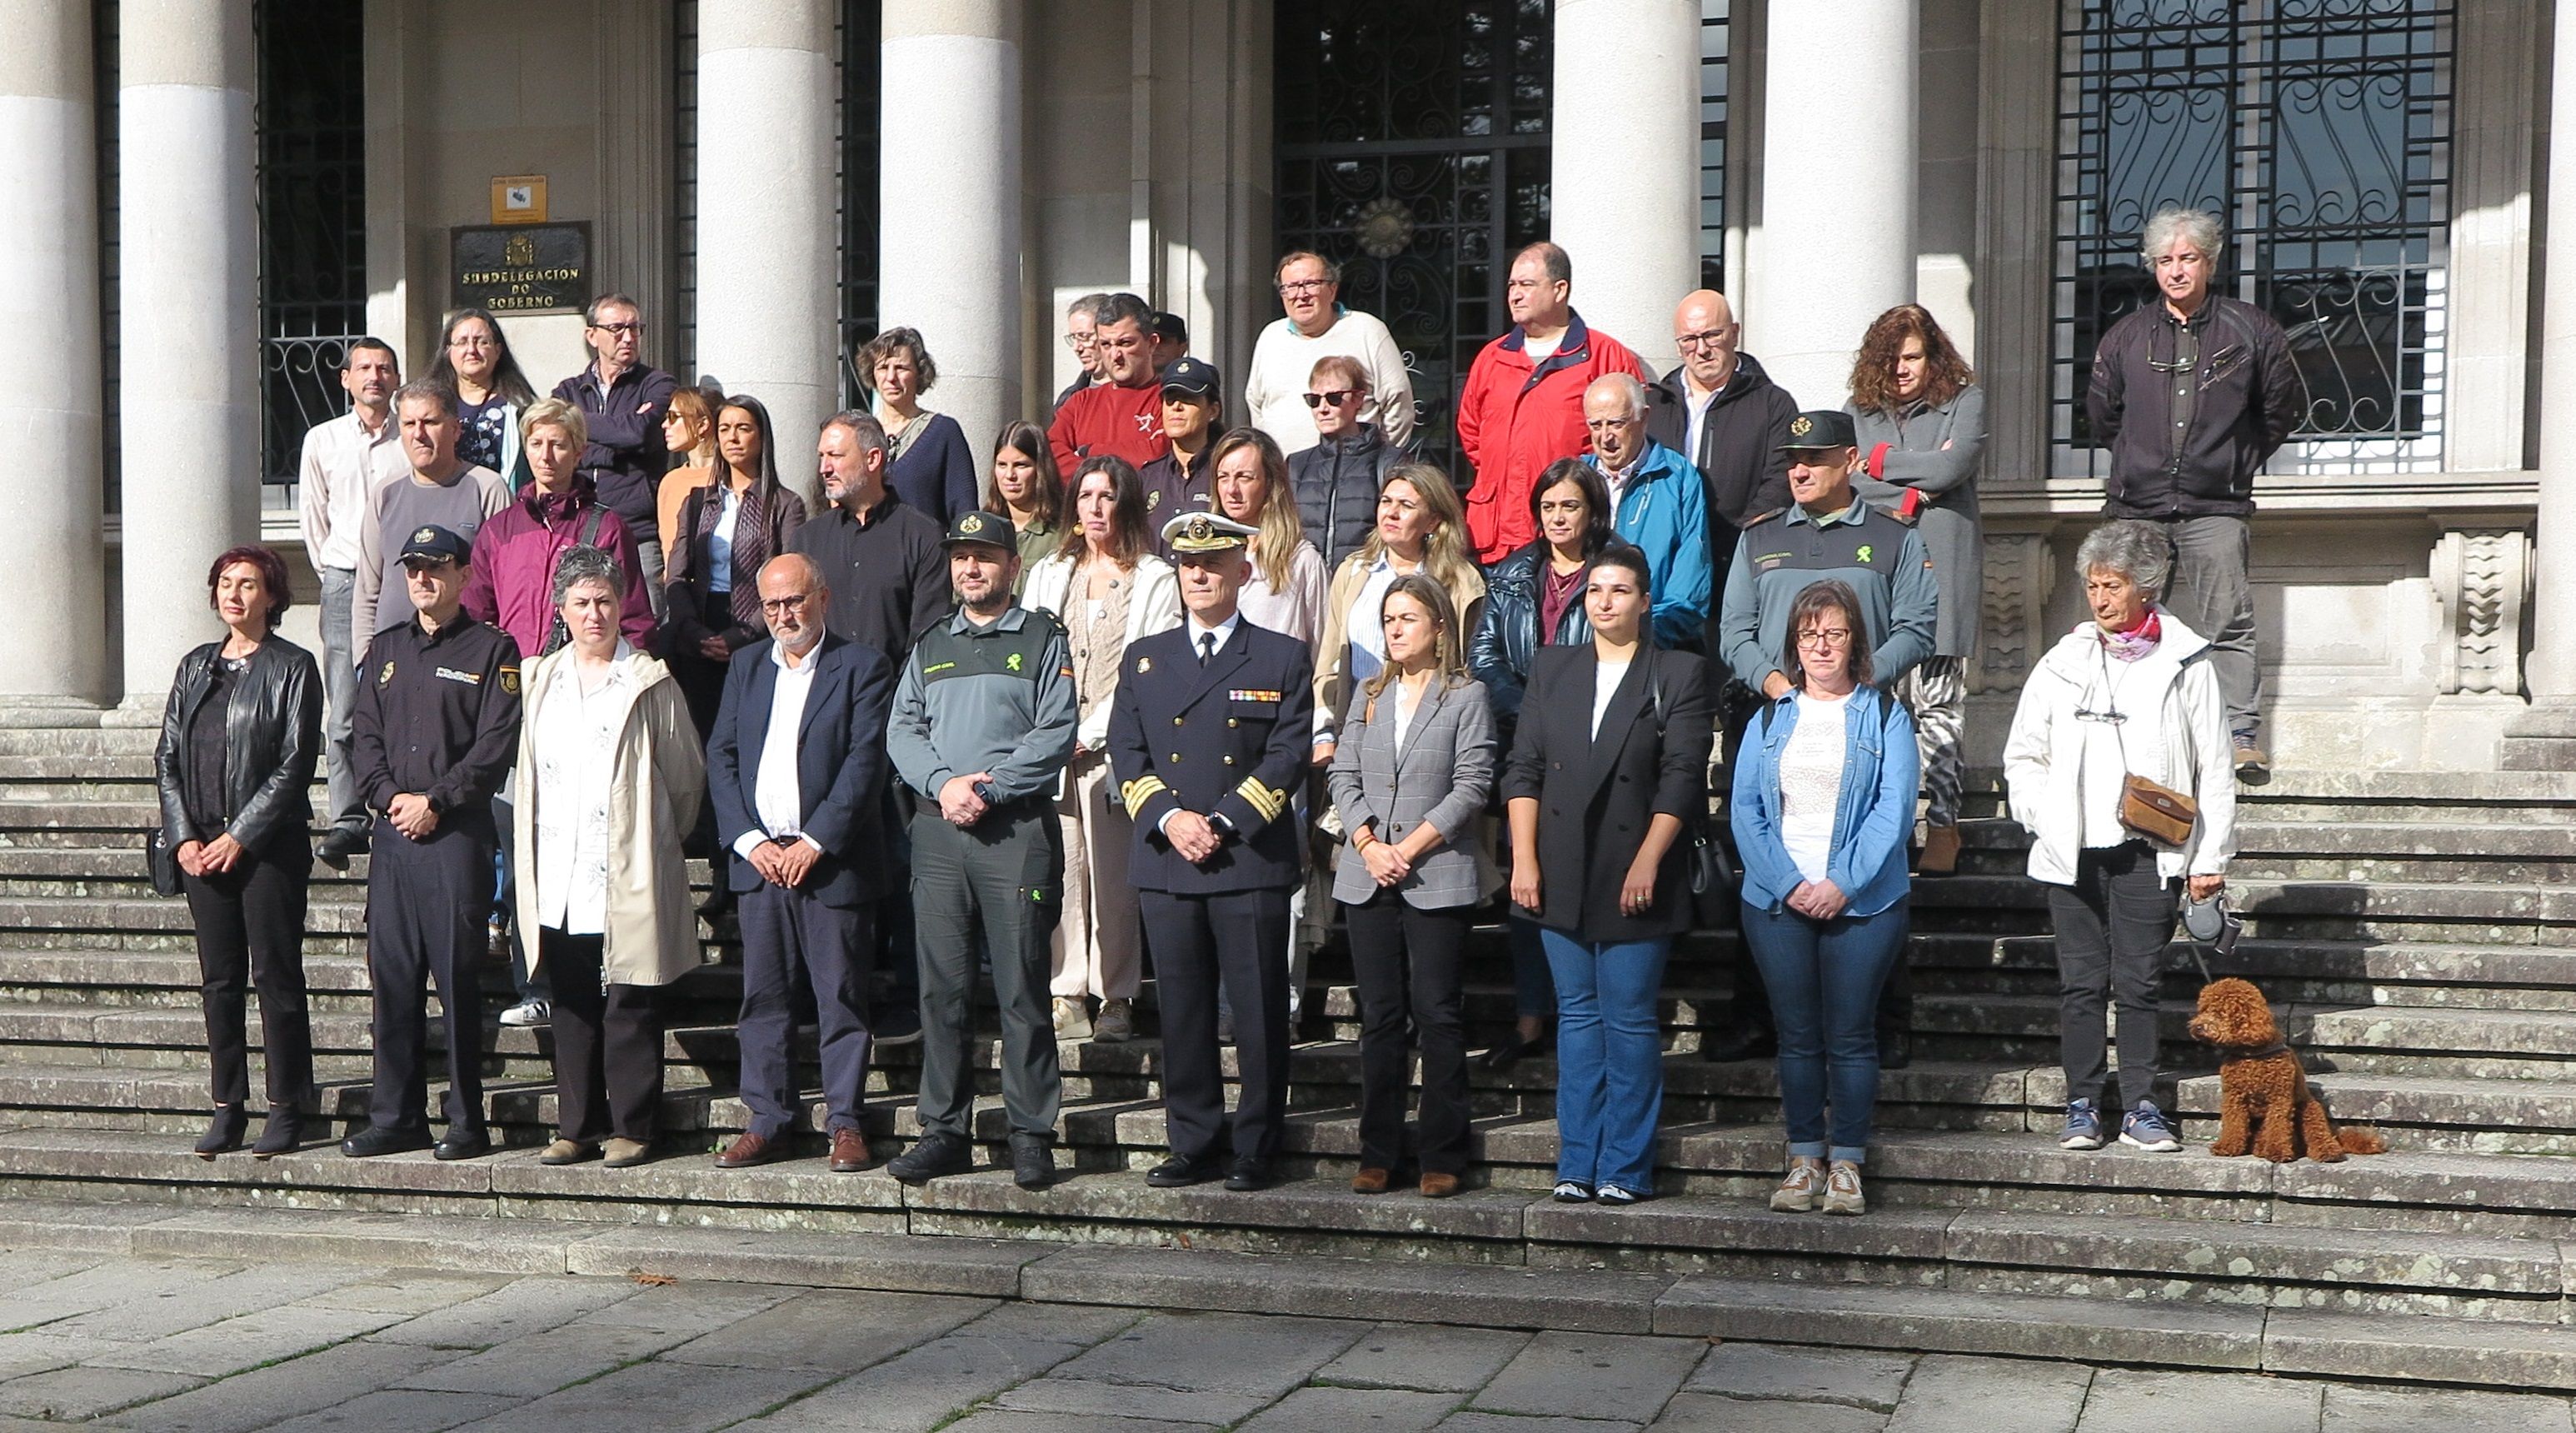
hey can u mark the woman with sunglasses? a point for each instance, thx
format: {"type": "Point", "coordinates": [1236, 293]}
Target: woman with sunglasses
{"type": "Point", "coordinates": [1338, 479]}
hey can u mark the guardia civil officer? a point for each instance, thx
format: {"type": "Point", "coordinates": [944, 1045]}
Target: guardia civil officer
{"type": "Point", "coordinates": [1208, 735]}
{"type": "Point", "coordinates": [982, 729]}
{"type": "Point", "coordinates": [436, 727]}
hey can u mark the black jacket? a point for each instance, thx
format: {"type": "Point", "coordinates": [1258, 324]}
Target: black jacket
{"type": "Point", "coordinates": [1739, 453]}
{"type": "Point", "coordinates": [1336, 483]}
{"type": "Point", "coordinates": [1596, 795]}
{"type": "Point", "coordinates": [272, 736]}
{"type": "Point", "coordinates": [2250, 398]}
{"type": "Point", "coordinates": [1507, 639]}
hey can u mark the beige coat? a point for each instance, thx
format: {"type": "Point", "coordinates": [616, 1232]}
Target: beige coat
{"type": "Point", "coordinates": [1333, 653]}
{"type": "Point", "coordinates": [658, 779]}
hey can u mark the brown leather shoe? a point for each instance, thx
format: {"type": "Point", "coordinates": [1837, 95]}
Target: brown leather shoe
{"type": "Point", "coordinates": [1439, 1186]}
{"type": "Point", "coordinates": [1940, 852]}
{"type": "Point", "coordinates": [1369, 1181]}
{"type": "Point", "coordinates": [747, 1150]}
{"type": "Point", "coordinates": [849, 1151]}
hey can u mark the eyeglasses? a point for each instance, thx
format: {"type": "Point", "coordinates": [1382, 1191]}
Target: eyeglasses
{"type": "Point", "coordinates": [777, 606]}
{"type": "Point", "coordinates": [1825, 637]}
{"type": "Point", "coordinates": [1301, 287]}
{"type": "Point", "coordinates": [1079, 340]}
{"type": "Point", "coordinates": [1706, 338]}
{"type": "Point", "coordinates": [632, 326]}
{"type": "Point", "coordinates": [1334, 398]}
{"type": "Point", "coordinates": [473, 341]}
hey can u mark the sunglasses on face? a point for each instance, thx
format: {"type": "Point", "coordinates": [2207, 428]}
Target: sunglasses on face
{"type": "Point", "coordinates": [1337, 397]}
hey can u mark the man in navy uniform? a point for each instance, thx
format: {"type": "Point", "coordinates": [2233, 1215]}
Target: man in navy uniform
{"type": "Point", "coordinates": [434, 729]}
{"type": "Point", "coordinates": [796, 767]}
{"type": "Point", "coordinates": [1208, 737]}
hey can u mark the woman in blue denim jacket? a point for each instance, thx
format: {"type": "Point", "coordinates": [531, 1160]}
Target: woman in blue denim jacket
{"type": "Point", "coordinates": [1822, 805]}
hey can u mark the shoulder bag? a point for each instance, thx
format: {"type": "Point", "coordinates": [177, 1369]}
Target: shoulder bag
{"type": "Point", "coordinates": [2150, 808]}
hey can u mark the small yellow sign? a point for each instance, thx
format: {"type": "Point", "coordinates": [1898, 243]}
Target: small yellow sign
{"type": "Point", "coordinates": [518, 199]}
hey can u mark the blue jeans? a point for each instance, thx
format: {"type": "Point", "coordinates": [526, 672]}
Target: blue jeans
{"type": "Point", "coordinates": [1824, 978]}
{"type": "Point", "coordinates": [1609, 1058]}
{"type": "Point", "coordinates": [1533, 992]}
{"type": "Point", "coordinates": [340, 657]}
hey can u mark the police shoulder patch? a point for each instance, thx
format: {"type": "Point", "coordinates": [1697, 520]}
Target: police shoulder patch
{"type": "Point", "coordinates": [386, 675]}
{"type": "Point", "coordinates": [510, 680]}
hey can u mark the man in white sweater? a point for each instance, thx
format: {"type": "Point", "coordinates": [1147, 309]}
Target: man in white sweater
{"type": "Point", "coordinates": [1274, 397]}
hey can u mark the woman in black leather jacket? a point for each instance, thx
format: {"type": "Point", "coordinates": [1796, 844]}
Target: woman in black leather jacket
{"type": "Point", "coordinates": [1571, 508]}
{"type": "Point", "coordinates": [238, 744]}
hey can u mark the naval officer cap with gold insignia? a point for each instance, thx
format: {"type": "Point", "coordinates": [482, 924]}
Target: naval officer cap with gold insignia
{"type": "Point", "coordinates": [1193, 532]}
{"type": "Point", "coordinates": [1819, 430]}
{"type": "Point", "coordinates": [990, 529]}
{"type": "Point", "coordinates": [434, 544]}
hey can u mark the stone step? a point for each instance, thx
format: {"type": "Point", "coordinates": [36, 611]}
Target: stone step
{"type": "Point", "coordinates": [2352, 849]}
{"type": "Point", "coordinates": [2492, 1116]}
{"type": "Point", "coordinates": [2475, 913]}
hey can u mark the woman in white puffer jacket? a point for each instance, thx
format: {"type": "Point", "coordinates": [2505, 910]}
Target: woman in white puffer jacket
{"type": "Point", "coordinates": [2130, 692]}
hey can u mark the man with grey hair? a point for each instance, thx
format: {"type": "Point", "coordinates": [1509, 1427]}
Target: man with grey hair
{"type": "Point", "coordinates": [1081, 323]}
{"type": "Point", "coordinates": [441, 490]}
{"type": "Point", "coordinates": [1657, 505]}
{"type": "Point", "coordinates": [2193, 395]}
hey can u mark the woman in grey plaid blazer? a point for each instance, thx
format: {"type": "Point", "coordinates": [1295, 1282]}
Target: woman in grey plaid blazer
{"type": "Point", "coordinates": [1410, 778]}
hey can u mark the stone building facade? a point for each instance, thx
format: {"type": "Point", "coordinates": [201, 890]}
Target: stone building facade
{"type": "Point", "coordinates": [215, 193]}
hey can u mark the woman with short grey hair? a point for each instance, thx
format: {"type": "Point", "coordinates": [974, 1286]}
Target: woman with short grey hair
{"type": "Point", "coordinates": [2124, 711]}
{"type": "Point", "coordinates": [610, 777]}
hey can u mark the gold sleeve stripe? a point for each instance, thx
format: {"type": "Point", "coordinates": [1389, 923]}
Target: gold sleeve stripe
{"type": "Point", "coordinates": [1136, 793]}
{"type": "Point", "coordinates": [1264, 800]}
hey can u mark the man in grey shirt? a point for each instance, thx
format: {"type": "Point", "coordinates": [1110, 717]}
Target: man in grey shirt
{"type": "Point", "coordinates": [982, 728]}
{"type": "Point", "coordinates": [441, 490]}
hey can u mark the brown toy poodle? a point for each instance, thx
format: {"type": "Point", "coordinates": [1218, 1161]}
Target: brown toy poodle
{"type": "Point", "coordinates": [2264, 1103]}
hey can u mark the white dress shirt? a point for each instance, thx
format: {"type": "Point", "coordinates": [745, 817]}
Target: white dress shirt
{"type": "Point", "coordinates": [342, 465]}
{"type": "Point", "coordinates": [1700, 404]}
{"type": "Point", "coordinates": [777, 801]}
{"type": "Point", "coordinates": [1223, 632]}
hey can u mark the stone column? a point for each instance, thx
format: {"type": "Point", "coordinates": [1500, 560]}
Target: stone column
{"type": "Point", "coordinates": [1838, 176]}
{"type": "Point", "coordinates": [188, 337]}
{"type": "Point", "coordinates": [1625, 185]}
{"type": "Point", "coordinates": [53, 658]}
{"type": "Point", "coordinates": [768, 256]}
{"type": "Point", "coordinates": [2553, 656]}
{"type": "Point", "coordinates": [949, 250]}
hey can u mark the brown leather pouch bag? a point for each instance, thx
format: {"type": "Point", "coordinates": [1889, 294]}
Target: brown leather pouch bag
{"type": "Point", "coordinates": [2156, 811]}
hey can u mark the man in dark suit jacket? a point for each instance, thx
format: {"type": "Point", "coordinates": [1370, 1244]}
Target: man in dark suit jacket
{"type": "Point", "coordinates": [1208, 737]}
{"type": "Point", "coordinates": [796, 768]}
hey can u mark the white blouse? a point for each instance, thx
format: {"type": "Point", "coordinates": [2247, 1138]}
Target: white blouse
{"type": "Point", "coordinates": [1811, 782]}
{"type": "Point", "coordinates": [576, 755]}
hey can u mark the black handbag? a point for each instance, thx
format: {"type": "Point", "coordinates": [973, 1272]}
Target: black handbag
{"type": "Point", "coordinates": [1713, 887]}
{"type": "Point", "coordinates": [164, 863]}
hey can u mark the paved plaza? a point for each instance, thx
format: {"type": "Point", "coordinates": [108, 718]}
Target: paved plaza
{"type": "Point", "coordinates": [214, 1345]}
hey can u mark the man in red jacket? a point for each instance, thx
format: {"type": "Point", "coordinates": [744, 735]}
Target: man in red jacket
{"type": "Point", "coordinates": [1123, 416]}
{"type": "Point", "coordinates": [1523, 405]}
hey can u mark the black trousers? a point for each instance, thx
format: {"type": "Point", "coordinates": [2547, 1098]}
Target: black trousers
{"type": "Point", "coordinates": [1006, 872]}
{"type": "Point", "coordinates": [428, 906]}
{"type": "Point", "coordinates": [1408, 962]}
{"type": "Point", "coordinates": [608, 1044]}
{"type": "Point", "coordinates": [250, 932]}
{"type": "Point", "coordinates": [2112, 927]}
{"type": "Point", "coordinates": [796, 948]}
{"type": "Point", "coordinates": [1196, 942]}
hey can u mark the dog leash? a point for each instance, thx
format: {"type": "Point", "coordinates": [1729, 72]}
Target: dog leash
{"type": "Point", "coordinates": [2212, 923]}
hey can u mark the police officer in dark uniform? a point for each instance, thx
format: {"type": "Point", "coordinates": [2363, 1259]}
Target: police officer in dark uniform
{"type": "Point", "coordinates": [435, 728]}
{"type": "Point", "coordinates": [1208, 739]}
{"type": "Point", "coordinates": [983, 725]}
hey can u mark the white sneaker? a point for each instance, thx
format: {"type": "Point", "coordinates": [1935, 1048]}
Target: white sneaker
{"type": "Point", "coordinates": [1797, 1192]}
{"type": "Point", "coordinates": [1072, 1018]}
{"type": "Point", "coordinates": [528, 1013]}
{"type": "Point", "coordinates": [1842, 1190]}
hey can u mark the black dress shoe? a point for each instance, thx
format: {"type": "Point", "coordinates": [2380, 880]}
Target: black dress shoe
{"type": "Point", "coordinates": [223, 1132]}
{"type": "Point", "coordinates": [933, 1155]}
{"type": "Point", "coordinates": [1728, 1046]}
{"type": "Point", "coordinates": [1895, 1048]}
{"type": "Point", "coordinates": [1248, 1173]}
{"type": "Point", "coordinates": [342, 843]}
{"type": "Point", "coordinates": [1032, 1161]}
{"type": "Point", "coordinates": [376, 1139]}
{"type": "Point", "coordinates": [1517, 1048]}
{"type": "Point", "coordinates": [1180, 1173]}
{"type": "Point", "coordinates": [463, 1144]}
{"type": "Point", "coordinates": [283, 1132]}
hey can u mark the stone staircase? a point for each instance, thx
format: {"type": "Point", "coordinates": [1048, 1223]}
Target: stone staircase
{"type": "Point", "coordinates": [2416, 932]}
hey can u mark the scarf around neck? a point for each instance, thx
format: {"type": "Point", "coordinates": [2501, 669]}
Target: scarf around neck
{"type": "Point", "coordinates": [2135, 643]}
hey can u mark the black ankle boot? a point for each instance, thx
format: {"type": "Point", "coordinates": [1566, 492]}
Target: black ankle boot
{"type": "Point", "coordinates": [223, 1132]}
{"type": "Point", "coordinates": [283, 1132]}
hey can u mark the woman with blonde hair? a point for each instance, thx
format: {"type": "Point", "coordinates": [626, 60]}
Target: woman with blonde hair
{"type": "Point", "coordinates": [1421, 527]}
{"type": "Point", "coordinates": [1108, 589]}
{"type": "Point", "coordinates": [1410, 779]}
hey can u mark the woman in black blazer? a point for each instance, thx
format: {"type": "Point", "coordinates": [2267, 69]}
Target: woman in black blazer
{"type": "Point", "coordinates": [239, 739]}
{"type": "Point", "coordinates": [1610, 761]}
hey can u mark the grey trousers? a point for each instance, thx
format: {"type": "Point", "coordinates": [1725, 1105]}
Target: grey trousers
{"type": "Point", "coordinates": [2214, 596]}
{"type": "Point", "coordinates": [340, 654]}
{"type": "Point", "coordinates": [1007, 874]}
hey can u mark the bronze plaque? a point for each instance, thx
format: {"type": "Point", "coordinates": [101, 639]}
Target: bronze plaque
{"type": "Point", "coordinates": [520, 268]}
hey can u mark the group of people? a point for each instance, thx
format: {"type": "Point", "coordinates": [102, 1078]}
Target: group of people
{"type": "Point", "coordinates": [1165, 687]}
